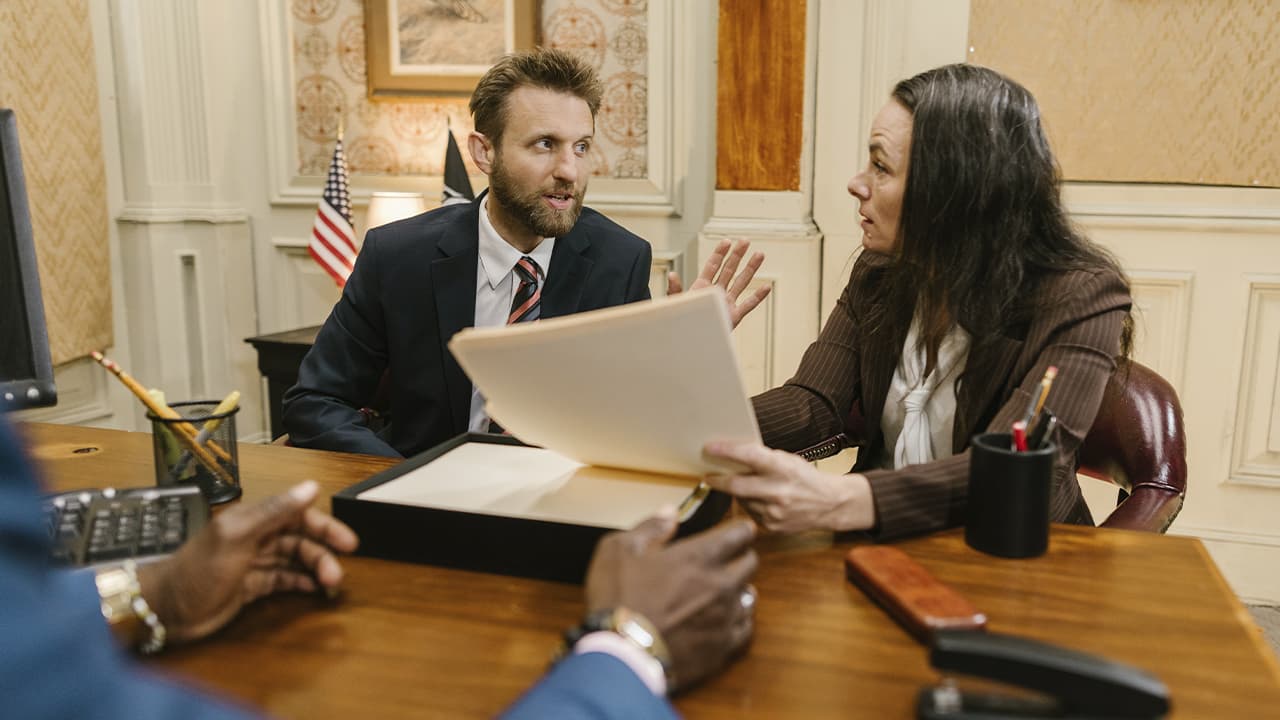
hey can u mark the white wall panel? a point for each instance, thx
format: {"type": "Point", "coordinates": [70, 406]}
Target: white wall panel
{"type": "Point", "coordinates": [303, 293]}
{"type": "Point", "coordinates": [1162, 308]}
{"type": "Point", "coordinates": [771, 340]}
{"type": "Point", "coordinates": [1256, 451]}
{"type": "Point", "coordinates": [755, 340]}
{"type": "Point", "coordinates": [1197, 257]}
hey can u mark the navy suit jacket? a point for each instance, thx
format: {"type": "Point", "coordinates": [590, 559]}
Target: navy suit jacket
{"type": "Point", "coordinates": [591, 686]}
{"type": "Point", "coordinates": [412, 289]}
{"type": "Point", "coordinates": [58, 658]}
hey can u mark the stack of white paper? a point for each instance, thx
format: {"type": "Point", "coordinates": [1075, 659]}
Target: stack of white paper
{"type": "Point", "coordinates": [533, 484]}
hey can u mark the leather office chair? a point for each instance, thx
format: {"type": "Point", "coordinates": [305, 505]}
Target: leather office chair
{"type": "Point", "coordinates": [1137, 442]}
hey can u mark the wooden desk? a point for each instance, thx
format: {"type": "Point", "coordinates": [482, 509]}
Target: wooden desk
{"type": "Point", "coordinates": [279, 357]}
{"type": "Point", "coordinates": [419, 641]}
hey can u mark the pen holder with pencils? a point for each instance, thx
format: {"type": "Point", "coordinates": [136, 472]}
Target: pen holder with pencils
{"type": "Point", "coordinates": [198, 447]}
{"type": "Point", "coordinates": [1008, 507]}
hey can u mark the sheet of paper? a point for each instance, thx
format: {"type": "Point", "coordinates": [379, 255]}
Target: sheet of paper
{"type": "Point", "coordinates": [524, 482]}
{"type": "Point", "coordinates": [641, 386]}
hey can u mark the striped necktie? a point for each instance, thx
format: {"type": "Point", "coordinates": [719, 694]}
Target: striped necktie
{"type": "Point", "coordinates": [526, 305]}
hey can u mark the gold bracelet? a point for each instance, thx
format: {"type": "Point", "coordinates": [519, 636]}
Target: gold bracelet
{"type": "Point", "coordinates": [122, 602]}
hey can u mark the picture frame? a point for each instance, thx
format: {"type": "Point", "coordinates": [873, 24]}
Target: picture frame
{"type": "Point", "coordinates": [432, 48]}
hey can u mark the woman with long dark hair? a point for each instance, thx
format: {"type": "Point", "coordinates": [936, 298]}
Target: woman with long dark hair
{"type": "Point", "coordinates": [972, 283]}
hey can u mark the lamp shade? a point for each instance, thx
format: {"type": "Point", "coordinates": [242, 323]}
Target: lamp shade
{"type": "Point", "coordinates": [385, 207]}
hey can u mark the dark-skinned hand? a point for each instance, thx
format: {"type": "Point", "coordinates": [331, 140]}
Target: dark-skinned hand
{"type": "Point", "coordinates": [691, 589]}
{"type": "Point", "coordinates": [247, 552]}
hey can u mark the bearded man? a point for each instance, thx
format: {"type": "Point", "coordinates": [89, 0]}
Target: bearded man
{"type": "Point", "coordinates": [525, 249]}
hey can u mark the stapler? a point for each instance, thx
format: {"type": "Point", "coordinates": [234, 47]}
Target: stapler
{"type": "Point", "coordinates": [1071, 684]}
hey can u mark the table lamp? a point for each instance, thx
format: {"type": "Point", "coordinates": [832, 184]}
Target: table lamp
{"type": "Point", "coordinates": [385, 207]}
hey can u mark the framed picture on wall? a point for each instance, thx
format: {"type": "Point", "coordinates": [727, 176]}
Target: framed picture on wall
{"type": "Point", "coordinates": [441, 47]}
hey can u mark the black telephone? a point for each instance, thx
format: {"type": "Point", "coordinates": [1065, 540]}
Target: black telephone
{"type": "Point", "coordinates": [1074, 684]}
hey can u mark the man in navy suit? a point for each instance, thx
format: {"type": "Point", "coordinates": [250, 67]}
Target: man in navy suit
{"type": "Point", "coordinates": [419, 281]}
{"type": "Point", "coordinates": [60, 659]}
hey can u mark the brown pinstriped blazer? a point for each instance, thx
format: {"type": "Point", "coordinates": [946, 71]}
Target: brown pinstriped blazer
{"type": "Point", "coordinates": [1079, 333]}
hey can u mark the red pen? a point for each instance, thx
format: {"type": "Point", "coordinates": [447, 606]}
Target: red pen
{"type": "Point", "coordinates": [1020, 436]}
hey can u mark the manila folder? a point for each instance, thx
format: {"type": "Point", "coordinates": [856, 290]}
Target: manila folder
{"type": "Point", "coordinates": [641, 386]}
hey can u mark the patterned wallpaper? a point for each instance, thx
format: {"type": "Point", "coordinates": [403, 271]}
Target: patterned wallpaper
{"type": "Point", "coordinates": [47, 76]}
{"type": "Point", "coordinates": [1170, 91]}
{"type": "Point", "coordinates": [408, 138]}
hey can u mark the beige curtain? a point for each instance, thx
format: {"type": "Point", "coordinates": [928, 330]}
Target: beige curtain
{"type": "Point", "coordinates": [48, 78]}
{"type": "Point", "coordinates": [1168, 91]}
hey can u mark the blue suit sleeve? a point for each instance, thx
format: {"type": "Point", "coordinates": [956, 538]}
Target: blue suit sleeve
{"type": "Point", "coordinates": [591, 686]}
{"type": "Point", "coordinates": [58, 656]}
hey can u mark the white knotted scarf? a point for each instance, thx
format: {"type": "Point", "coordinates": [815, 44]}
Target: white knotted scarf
{"type": "Point", "coordinates": [920, 412]}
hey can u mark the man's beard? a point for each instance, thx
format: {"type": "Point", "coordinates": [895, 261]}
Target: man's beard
{"type": "Point", "coordinates": [530, 209]}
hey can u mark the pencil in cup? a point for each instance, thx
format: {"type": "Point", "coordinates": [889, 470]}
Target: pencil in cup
{"type": "Point", "coordinates": [159, 409]}
{"type": "Point", "coordinates": [1036, 404]}
{"type": "Point", "coordinates": [172, 448]}
{"type": "Point", "coordinates": [216, 487]}
{"type": "Point", "coordinates": [186, 434]}
{"type": "Point", "coordinates": [230, 402]}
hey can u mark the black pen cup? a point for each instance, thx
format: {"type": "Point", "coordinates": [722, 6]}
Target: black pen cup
{"type": "Point", "coordinates": [197, 446]}
{"type": "Point", "coordinates": [1008, 508]}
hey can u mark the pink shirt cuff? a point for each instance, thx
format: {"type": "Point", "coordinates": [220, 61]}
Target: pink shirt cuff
{"type": "Point", "coordinates": [644, 665]}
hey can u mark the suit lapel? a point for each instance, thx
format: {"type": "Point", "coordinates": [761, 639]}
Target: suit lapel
{"type": "Point", "coordinates": [453, 280]}
{"type": "Point", "coordinates": [879, 359]}
{"type": "Point", "coordinates": [979, 389]}
{"type": "Point", "coordinates": [567, 277]}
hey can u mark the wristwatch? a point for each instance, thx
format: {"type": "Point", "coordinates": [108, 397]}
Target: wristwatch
{"type": "Point", "coordinates": [123, 606]}
{"type": "Point", "coordinates": [631, 625]}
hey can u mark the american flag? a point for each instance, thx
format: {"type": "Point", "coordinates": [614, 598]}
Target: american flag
{"type": "Point", "coordinates": [333, 240]}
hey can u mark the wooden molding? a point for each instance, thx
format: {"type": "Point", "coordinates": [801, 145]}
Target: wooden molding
{"type": "Point", "coordinates": [760, 94]}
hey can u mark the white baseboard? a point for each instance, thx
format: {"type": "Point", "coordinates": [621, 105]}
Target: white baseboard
{"type": "Point", "coordinates": [1246, 560]}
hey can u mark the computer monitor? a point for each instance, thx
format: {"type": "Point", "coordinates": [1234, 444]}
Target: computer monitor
{"type": "Point", "coordinates": [26, 373]}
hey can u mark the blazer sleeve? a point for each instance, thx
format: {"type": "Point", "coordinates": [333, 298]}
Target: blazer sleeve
{"type": "Point", "coordinates": [59, 658]}
{"type": "Point", "coordinates": [812, 405]}
{"type": "Point", "coordinates": [341, 372]}
{"type": "Point", "coordinates": [1081, 336]}
{"type": "Point", "coordinates": [590, 686]}
{"type": "Point", "coordinates": [638, 280]}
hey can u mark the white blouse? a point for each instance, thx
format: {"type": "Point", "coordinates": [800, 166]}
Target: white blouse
{"type": "Point", "coordinates": [920, 412]}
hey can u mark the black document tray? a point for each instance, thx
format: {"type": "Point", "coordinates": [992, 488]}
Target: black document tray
{"type": "Point", "coordinates": [487, 541]}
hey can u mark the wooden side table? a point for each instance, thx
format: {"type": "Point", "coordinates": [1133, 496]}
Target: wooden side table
{"type": "Point", "coordinates": [279, 357]}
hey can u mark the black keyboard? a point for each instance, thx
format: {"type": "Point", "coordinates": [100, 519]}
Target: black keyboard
{"type": "Point", "coordinates": [92, 527]}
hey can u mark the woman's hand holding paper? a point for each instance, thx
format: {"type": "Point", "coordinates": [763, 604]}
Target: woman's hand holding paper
{"type": "Point", "coordinates": [784, 493]}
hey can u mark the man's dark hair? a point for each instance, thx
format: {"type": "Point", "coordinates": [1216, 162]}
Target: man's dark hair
{"type": "Point", "coordinates": [540, 68]}
{"type": "Point", "coordinates": [982, 215]}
